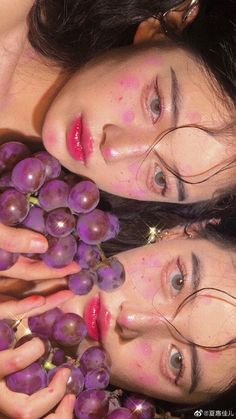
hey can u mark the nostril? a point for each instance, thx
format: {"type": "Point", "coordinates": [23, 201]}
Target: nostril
{"type": "Point", "coordinates": [125, 333]}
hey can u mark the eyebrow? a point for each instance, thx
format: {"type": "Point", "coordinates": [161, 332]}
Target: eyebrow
{"type": "Point", "coordinates": [175, 97]}
{"type": "Point", "coordinates": [196, 272]}
{"type": "Point", "coordinates": [195, 369]}
{"type": "Point", "coordinates": [175, 105]}
{"type": "Point", "coordinates": [196, 281]}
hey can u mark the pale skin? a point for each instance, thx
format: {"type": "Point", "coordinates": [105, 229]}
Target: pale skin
{"type": "Point", "coordinates": [151, 355]}
{"type": "Point", "coordinates": [35, 103]}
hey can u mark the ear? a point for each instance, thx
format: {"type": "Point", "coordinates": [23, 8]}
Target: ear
{"type": "Point", "coordinates": [181, 231]}
{"type": "Point", "coordinates": [149, 30]}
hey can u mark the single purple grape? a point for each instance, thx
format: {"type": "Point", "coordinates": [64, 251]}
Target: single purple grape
{"type": "Point", "coordinates": [42, 324]}
{"type": "Point", "coordinates": [83, 197]}
{"type": "Point", "coordinates": [14, 207]}
{"type": "Point", "coordinates": [114, 227]}
{"type": "Point", "coordinates": [61, 251]}
{"type": "Point", "coordinates": [111, 276]}
{"type": "Point", "coordinates": [121, 413]}
{"type": "Point", "coordinates": [93, 358]}
{"type": "Point", "coordinates": [60, 222]}
{"type": "Point", "coordinates": [5, 181]}
{"type": "Point", "coordinates": [28, 338]}
{"type": "Point", "coordinates": [75, 383]}
{"type": "Point", "coordinates": [97, 379]}
{"type": "Point", "coordinates": [28, 175]}
{"type": "Point", "coordinates": [29, 380]}
{"type": "Point", "coordinates": [53, 194]}
{"type": "Point", "coordinates": [59, 357]}
{"type": "Point", "coordinates": [82, 282]}
{"type": "Point", "coordinates": [69, 330]}
{"type": "Point", "coordinates": [93, 227]}
{"type": "Point", "coordinates": [7, 259]}
{"type": "Point", "coordinates": [143, 407]}
{"type": "Point", "coordinates": [35, 220]}
{"type": "Point", "coordinates": [87, 255]}
{"type": "Point", "coordinates": [91, 404]}
{"type": "Point", "coordinates": [11, 153]}
{"type": "Point", "coordinates": [52, 165]}
{"type": "Point", "coordinates": [7, 335]}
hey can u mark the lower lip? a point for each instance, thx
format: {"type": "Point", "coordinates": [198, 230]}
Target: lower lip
{"type": "Point", "coordinates": [79, 141]}
{"type": "Point", "coordinates": [97, 319]}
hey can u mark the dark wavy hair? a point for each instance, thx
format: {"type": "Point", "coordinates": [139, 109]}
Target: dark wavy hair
{"type": "Point", "coordinates": [71, 32]}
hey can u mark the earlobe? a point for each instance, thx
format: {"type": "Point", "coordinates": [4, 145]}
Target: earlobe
{"type": "Point", "coordinates": [149, 30]}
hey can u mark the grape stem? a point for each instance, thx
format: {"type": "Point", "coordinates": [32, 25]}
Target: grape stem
{"type": "Point", "coordinates": [33, 200]}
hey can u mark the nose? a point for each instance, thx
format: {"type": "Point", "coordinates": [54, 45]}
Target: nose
{"type": "Point", "coordinates": [133, 321]}
{"type": "Point", "coordinates": [120, 143]}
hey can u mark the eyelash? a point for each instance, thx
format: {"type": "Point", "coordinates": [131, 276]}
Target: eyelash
{"type": "Point", "coordinates": [154, 185]}
{"type": "Point", "coordinates": [155, 89]}
{"type": "Point", "coordinates": [181, 371]}
{"type": "Point", "coordinates": [182, 269]}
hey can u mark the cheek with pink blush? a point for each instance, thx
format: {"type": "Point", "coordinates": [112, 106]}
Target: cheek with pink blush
{"type": "Point", "coordinates": [128, 116]}
{"type": "Point", "coordinates": [193, 117]}
{"type": "Point", "coordinates": [128, 82]}
{"type": "Point", "coordinates": [143, 276]}
{"type": "Point", "coordinates": [127, 187]}
{"type": "Point", "coordinates": [141, 376]}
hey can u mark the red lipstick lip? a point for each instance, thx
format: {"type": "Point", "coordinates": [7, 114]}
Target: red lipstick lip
{"type": "Point", "coordinates": [97, 318]}
{"type": "Point", "coordinates": [79, 140]}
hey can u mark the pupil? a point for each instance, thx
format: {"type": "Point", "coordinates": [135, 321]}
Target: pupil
{"type": "Point", "coordinates": [176, 360]}
{"type": "Point", "coordinates": [155, 106]}
{"type": "Point", "coordinates": [160, 179]}
{"type": "Point", "coordinates": [177, 282]}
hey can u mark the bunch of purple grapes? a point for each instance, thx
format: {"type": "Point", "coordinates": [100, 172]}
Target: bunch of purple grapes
{"type": "Point", "coordinates": [89, 373]}
{"type": "Point", "coordinates": [36, 194]}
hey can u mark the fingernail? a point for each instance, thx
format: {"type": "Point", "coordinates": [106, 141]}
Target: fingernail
{"type": "Point", "coordinates": [38, 245]}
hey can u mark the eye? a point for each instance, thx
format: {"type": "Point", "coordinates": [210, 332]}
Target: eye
{"type": "Point", "coordinates": [155, 103]}
{"type": "Point", "coordinates": [177, 282]}
{"type": "Point", "coordinates": [155, 106]}
{"type": "Point", "coordinates": [160, 180]}
{"type": "Point", "coordinates": [177, 279]}
{"type": "Point", "coordinates": [176, 362]}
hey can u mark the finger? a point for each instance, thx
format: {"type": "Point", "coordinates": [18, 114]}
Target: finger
{"type": "Point", "coordinates": [38, 404]}
{"type": "Point", "coordinates": [33, 270]}
{"type": "Point", "coordinates": [17, 359]}
{"type": "Point", "coordinates": [11, 308]}
{"type": "Point", "coordinates": [21, 240]}
{"type": "Point", "coordinates": [65, 408]}
{"type": "Point", "coordinates": [54, 300]}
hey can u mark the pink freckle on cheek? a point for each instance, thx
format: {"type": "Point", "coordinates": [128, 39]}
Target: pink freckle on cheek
{"type": "Point", "coordinates": [128, 116]}
{"type": "Point", "coordinates": [155, 60]}
{"type": "Point", "coordinates": [194, 117]}
{"type": "Point", "coordinates": [145, 349]}
{"type": "Point", "coordinates": [213, 355]}
{"type": "Point", "coordinates": [129, 82]}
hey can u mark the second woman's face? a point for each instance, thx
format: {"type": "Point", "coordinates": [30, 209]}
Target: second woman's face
{"type": "Point", "coordinates": [105, 122]}
{"type": "Point", "coordinates": [147, 353]}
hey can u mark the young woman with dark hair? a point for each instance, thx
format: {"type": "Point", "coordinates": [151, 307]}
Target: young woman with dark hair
{"type": "Point", "coordinates": [150, 89]}
{"type": "Point", "coordinates": [158, 338]}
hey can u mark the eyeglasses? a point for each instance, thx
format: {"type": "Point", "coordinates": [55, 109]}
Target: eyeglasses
{"type": "Point", "coordinates": [185, 8]}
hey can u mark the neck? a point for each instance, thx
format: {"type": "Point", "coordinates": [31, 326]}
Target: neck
{"type": "Point", "coordinates": [28, 84]}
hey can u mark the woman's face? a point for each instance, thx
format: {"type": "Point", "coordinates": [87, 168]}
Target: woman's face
{"type": "Point", "coordinates": [105, 122]}
{"type": "Point", "coordinates": [147, 354]}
